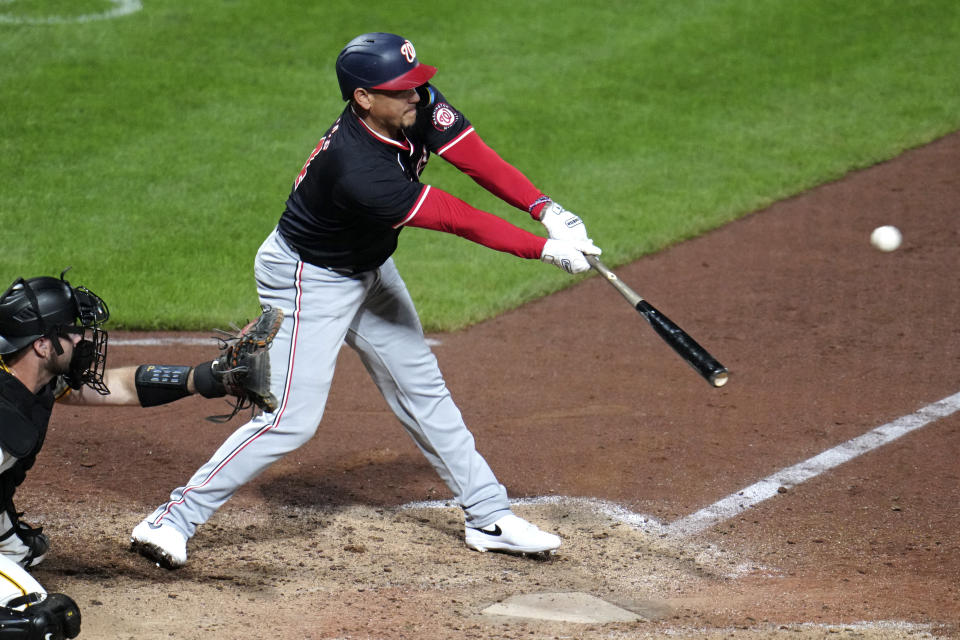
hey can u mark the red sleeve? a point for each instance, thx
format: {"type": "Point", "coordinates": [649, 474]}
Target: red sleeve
{"type": "Point", "coordinates": [440, 211]}
{"type": "Point", "coordinates": [469, 153]}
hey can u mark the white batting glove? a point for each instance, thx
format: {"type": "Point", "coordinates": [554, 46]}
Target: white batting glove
{"type": "Point", "coordinates": [569, 255]}
{"type": "Point", "coordinates": [562, 224]}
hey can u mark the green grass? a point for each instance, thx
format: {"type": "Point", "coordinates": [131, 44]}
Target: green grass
{"type": "Point", "coordinates": [153, 152]}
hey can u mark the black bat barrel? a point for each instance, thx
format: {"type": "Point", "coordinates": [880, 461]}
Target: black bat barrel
{"type": "Point", "coordinates": [685, 346]}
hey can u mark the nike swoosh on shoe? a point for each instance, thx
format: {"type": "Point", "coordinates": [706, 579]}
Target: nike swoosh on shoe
{"type": "Point", "coordinates": [495, 532]}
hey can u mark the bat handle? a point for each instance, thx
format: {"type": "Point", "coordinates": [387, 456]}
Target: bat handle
{"type": "Point", "coordinates": [594, 262]}
{"type": "Point", "coordinates": [631, 296]}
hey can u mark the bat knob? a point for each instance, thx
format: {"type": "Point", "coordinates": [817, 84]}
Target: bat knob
{"type": "Point", "coordinates": [720, 378]}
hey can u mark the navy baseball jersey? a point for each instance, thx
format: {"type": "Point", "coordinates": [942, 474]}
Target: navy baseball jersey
{"type": "Point", "coordinates": [357, 186]}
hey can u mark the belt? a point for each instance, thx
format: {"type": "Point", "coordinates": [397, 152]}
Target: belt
{"type": "Point", "coordinates": [348, 271]}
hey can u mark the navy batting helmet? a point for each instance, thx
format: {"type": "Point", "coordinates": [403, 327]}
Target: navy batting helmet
{"type": "Point", "coordinates": [380, 61]}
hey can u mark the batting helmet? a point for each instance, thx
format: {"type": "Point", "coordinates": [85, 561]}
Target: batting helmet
{"type": "Point", "coordinates": [45, 307]}
{"type": "Point", "coordinates": [380, 61]}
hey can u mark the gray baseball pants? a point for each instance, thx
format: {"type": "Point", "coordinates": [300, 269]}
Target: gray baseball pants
{"type": "Point", "coordinates": [374, 314]}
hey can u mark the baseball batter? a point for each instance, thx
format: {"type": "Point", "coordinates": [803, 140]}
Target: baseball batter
{"type": "Point", "coordinates": [328, 267]}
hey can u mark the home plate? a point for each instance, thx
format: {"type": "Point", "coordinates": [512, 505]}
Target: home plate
{"type": "Point", "coordinates": [562, 607]}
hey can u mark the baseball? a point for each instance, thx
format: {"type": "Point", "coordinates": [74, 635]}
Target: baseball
{"type": "Point", "coordinates": [886, 238]}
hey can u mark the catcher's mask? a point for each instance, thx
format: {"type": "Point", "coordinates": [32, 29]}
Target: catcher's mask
{"type": "Point", "coordinates": [51, 308]}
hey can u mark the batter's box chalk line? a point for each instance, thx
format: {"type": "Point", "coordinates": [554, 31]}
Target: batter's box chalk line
{"type": "Point", "coordinates": [916, 630]}
{"type": "Point", "coordinates": [163, 341]}
{"type": "Point", "coordinates": [739, 501]}
{"type": "Point", "coordinates": [120, 8]}
{"type": "Point", "coordinates": [640, 521]}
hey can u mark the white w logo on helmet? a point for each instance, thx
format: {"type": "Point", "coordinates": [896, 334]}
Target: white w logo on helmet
{"type": "Point", "coordinates": [409, 53]}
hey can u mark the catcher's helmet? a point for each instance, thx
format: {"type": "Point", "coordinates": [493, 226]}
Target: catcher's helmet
{"type": "Point", "coordinates": [380, 61]}
{"type": "Point", "coordinates": [46, 307]}
{"type": "Point", "coordinates": [32, 309]}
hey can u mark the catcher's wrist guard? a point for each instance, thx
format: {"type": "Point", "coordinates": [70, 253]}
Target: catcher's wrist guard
{"type": "Point", "coordinates": [207, 382]}
{"type": "Point", "coordinates": [161, 383]}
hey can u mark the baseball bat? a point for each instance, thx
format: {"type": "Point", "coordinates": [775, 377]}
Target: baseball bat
{"type": "Point", "coordinates": [678, 339]}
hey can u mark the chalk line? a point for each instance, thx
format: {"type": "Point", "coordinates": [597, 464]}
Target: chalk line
{"type": "Point", "coordinates": [747, 497]}
{"type": "Point", "coordinates": [738, 502]}
{"type": "Point", "coordinates": [610, 509]}
{"type": "Point", "coordinates": [160, 342]}
{"type": "Point", "coordinates": [121, 8]}
{"type": "Point", "coordinates": [189, 340]}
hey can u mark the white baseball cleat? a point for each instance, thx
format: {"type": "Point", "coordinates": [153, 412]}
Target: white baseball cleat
{"type": "Point", "coordinates": [513, 534]}
{"type": "Point", "coordinates": [162, 544]}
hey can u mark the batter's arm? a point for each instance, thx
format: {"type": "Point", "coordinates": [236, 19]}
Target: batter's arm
{"type": "Point", "coordinates": [440, 211]}
{"type": "Point", "coordinates": [471, 155]}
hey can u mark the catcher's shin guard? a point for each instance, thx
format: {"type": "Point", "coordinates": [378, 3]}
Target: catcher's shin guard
{"type": "Point", "coordinates": [53, 616]}
{"type": "Point", "coordinates": [25, 545]}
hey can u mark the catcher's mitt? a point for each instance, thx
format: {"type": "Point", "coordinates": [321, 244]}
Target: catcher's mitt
{"type": "Point", "coordinates": [243, 366]}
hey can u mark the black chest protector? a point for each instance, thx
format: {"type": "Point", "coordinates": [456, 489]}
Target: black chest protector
{"type": "Point", "coordinates": [24, 417]}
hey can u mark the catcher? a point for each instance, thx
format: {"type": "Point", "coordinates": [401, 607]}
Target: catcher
{"type": "Point", "coordinates": [53, 349]}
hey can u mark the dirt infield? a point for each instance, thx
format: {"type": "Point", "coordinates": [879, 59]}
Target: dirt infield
{"type": "Point", "coordinates": [575, 401]}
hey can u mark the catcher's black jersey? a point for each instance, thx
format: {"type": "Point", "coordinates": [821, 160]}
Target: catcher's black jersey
{"type": "Point", "coordinates": [358, 185]}
{"type": "Point", "coordinates": [24, 415]}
